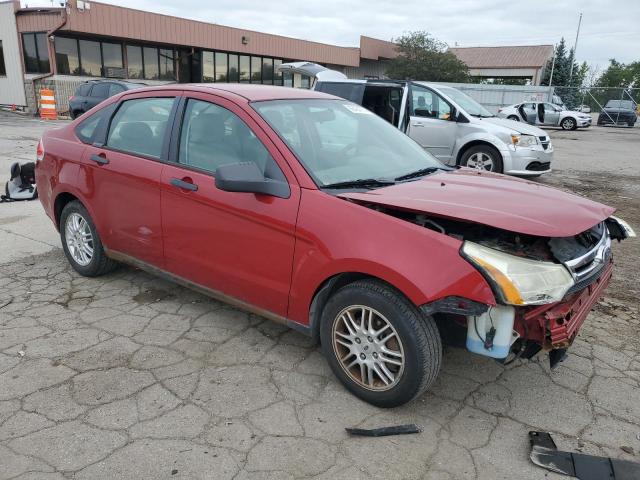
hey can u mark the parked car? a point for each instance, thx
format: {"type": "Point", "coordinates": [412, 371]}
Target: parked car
{"type": "Point", "coordinates": [309, 210]}
{"type": "Point", "coordinates": [545, 114]}
{"type": "Point", "coordinates": [91, 93]}
{"type": "Point", "coordinates": [618, 112]}
{"type": "Point", "coordinates": [443, 120]}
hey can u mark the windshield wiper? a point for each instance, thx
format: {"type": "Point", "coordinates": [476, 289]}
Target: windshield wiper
{"type": "Point", "coordinates": [360, 183]}
{"type": "Point", "coordinates": [420, 173]}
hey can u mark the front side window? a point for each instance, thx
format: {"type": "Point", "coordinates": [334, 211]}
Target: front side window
{"type": "Point", "coordinates": [467, 103]}
{"type": "Point", "coordinates": [139, 126]}
{"type": "Point", "coordinates": [427, 103]}
{"type": "Point", "coordinates": [212, 136]}
{"type": "Point", "coordinates": [67, 59]}
{"type": "Point", "coordinates": [100, 90]}
{"type": "Point", "coordinates": [338, 141]}
{"type": "Point", "coordinates": [114, 89]}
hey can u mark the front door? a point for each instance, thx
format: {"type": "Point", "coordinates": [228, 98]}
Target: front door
{"type": "Point", "coordinates": [431, 123]}
{"type": "Point", "coordinates": [238, 244]}
{"type": "Point", "coordinates": [123, 177]}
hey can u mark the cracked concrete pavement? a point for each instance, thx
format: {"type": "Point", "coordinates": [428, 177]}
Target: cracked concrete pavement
{"type": "Point", "coordinates": [129, 376]}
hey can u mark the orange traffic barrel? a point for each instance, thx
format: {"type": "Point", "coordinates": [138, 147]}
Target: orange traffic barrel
{"type": "Point", "coordinates": [47, 104]}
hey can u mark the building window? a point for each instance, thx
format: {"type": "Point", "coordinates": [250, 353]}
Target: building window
{"type": "Point", "coordinates": [3, 69]}
{"type": "Point", "coordinates": [150, 56]}
{"type": "Point", "coordinates": [234, 71]}
{"type": "Point", "coordinates": [112, 59]}
{"type": "Point", "coordinates": [90, 58]}
{"type": "Point", "coordinates": [36, 52]}
{"type": "Point", "coordinates": [256, 70]}
{"type": "Point", "coordinates": [67, 59]}
{"type": "Point", "coordinates": [134, 62]}
{"type": "Point", "coordinates": [245, 63]}
{"type": "Point", "coordinates": [222, 66]}
{"type": "Point", "coordinates": [267, 71]}
{"type": "Point", "coordinates": [277, 76]}
{"type": "Point", "coordinates": [167, 64]}
{"type": "Point", "coordinates": [208, 72]}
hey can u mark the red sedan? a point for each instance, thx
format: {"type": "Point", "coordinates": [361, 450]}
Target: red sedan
{"type": "Point", "coordinates": [312, 211]}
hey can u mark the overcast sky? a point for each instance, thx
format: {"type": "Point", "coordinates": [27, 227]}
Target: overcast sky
{"type": "Point", "coordinates": [609, 28]}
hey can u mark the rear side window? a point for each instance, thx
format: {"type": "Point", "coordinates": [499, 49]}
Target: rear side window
{"type": "Point", "coordinates": [349, 91]}
{"type": "Point", "coordinates": [100, 90]}
{"type": "Point", "coordinates": [83, 90]}
{"type": "Point", "coordinates": [92, 129]}
{"type": "Point", "coordinates": [139, 126]}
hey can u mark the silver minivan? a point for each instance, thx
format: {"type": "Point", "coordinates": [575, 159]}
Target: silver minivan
{"type": "Point", "coordinates": [443, 120]}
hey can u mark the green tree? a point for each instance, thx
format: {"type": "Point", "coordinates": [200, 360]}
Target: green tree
{"type": "Point", "coordinates": [422, 57]}
{"type": "Point", "coordinates": [566, 80]}
{"type": "Point", "coordinates": [619, 75]}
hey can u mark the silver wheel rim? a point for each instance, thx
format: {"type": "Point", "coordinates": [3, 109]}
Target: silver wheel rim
{"type": "Point", "coordinates": [567, 124]}
{"type": "Point", "coordinates": [79, 239]}
{"type": "Point", "coordinates": [368, 348]}
{"type": "Point", "coordinates": [480, 161]}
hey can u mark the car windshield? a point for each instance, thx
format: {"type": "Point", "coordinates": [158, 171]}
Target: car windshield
{"type": "Point", "coordinates": [620, 104]}
{"type": "Point", "coordinates": [466, 102]}
{"type": "Point", "coordinates": [340, 142]}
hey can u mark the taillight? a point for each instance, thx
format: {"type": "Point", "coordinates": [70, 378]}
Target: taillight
{"type": "Point", "coordinates": [40, 151]}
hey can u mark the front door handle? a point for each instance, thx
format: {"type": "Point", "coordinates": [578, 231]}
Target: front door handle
{"type": "Point", "coordinates": [185, 185]}
{"type": "Point", "coordinates": [99, 159]}
{"type": "Point", "coordinates": [417, 124]}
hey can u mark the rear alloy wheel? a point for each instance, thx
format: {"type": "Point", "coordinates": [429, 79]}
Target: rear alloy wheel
{"type": "Point", "coordinates": [378, 344]}
{"type": "Point", "coordinates": [81, 243]}
{"type": "Point", "coordinates": [515, 118]}
{"type": "Point", "coordinates": [569, 124]}
{"type": "Point", "coordinates": [483, 158]}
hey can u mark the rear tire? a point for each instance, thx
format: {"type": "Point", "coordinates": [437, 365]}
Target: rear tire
{"type": "Point", "coordinates": [81, 242]}
{"type": "Point", "coordinates": [385, 329]}
{"type": "Point", "coordinates": [569, 124]}
{"type": "Point", "coordinates": [483, 158]}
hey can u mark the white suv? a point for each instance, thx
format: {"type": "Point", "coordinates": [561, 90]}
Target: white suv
{"type": "Point", "coordinates": [443, 120]}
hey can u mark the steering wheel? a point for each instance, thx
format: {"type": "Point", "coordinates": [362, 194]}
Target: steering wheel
{"type": "Point", "coordinates": [347, 148]}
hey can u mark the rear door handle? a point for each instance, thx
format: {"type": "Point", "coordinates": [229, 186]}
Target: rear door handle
{"type": "Point", "coordinates": [176, 182]}
{"type": "Point", "coordinates": [99, 159]}
{"type": "Point", "coordinates": [416, 124]}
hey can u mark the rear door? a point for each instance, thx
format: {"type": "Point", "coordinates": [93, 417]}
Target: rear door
{"type": "Point", "coordinates": [237, 244]}
{"type": "Point", "coordinates": [529, 112]}
{"type": "Point", "coordinates": [551, 114]}
{"type": "Point", "coordinates": [432, 122]}
{"type": "Point", "coordinates": [122, 176]}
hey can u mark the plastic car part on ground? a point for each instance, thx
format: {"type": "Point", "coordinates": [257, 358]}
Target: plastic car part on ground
{"type": "Point", "coordinates": [545, 454]}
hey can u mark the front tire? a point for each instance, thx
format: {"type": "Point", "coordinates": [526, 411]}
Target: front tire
{"type": "Point", "coordinates": [569, 124]}
{"type": "Point", "coordinates": [379, 345]}
{"type": "Point", "coordinates": [482, 157]}
{"type": "Point", "coordinates": [81, 242]}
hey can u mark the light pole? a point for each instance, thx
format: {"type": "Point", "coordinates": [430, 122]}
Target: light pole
{"type": "Point", "coordinates": [575, 46]}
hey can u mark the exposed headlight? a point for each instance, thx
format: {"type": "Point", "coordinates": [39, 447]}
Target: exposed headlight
{"type": "Point", "coordinates": [519, 281]}
{"type": "Point", "coordinates": [524, 140]}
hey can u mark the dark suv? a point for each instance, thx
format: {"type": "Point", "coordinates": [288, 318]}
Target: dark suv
{"type": "Point", "coordinates": [91, 93]}
{"type": "Point", "coordinates": [618, 112]}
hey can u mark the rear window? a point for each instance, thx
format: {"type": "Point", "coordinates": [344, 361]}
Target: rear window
{"type": "Point", "coordinates": [83, 90]}
{"type": "Point", "coordinates": [349, 91]}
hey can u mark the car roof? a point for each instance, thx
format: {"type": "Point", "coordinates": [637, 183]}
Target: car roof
{"type": "Point", "coordinates": [251, 93]}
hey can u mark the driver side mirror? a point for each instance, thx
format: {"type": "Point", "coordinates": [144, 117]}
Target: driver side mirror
{"type": "Point", "coordinates": [248, 178]}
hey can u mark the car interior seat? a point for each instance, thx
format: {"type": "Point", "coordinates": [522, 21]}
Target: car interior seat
{"type": "Point", "coordinates": [207, 147]}
{"type": "Point", "coordinates": [139, 138]}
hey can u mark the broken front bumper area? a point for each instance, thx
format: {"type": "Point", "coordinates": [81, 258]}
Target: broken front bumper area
{"type": "Point", "coordinates": [554, 326]}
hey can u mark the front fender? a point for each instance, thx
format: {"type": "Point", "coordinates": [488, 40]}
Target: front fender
{"type": "Point", "coordinates": [483, 137]}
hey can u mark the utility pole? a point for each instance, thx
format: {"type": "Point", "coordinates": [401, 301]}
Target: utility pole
{"type": "Point", "coordinates": [575, 46]}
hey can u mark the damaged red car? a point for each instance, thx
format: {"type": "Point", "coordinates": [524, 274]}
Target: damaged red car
{"type": "Point", "coordinates": [312, 211]}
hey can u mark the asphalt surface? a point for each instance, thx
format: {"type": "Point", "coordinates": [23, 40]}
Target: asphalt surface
{"type": "Point", "coordinates": [127, 376]}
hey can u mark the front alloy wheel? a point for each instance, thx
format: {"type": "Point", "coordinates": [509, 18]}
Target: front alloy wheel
{"type": "Point", "coordinates": [368, 347]}
{"type": "Point", "coordinates": [378, 344]}
{"type": "Point", "coordinates": [568, 124]}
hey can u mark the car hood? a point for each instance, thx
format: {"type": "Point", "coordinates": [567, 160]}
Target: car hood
{"type": "Point", "coordinates": [491, 199]}
{"type": "Point", "coordinates": [519, 127]}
